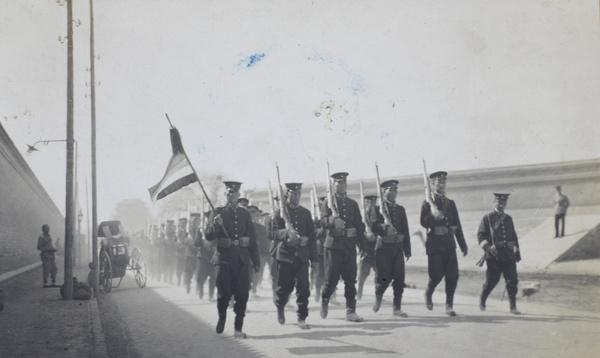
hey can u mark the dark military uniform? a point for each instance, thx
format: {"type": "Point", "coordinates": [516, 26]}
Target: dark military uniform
{"type": "Point", "coordinates": [180, 249]}
{"type": "Point", "coordinates": [390, 251]}
{"type": "Point", "coordinates": [498, 230]}
{"type": "Point", "coordinates": [440, 246]}
{"type": "Point", "coordinates": [292, 258]}
{"type": "Point", "coordinates": [340, 249]}
{"type": "Point", "coordinates": [232, 258]}
{"type": "Point", "coordinates": [206, 270]}
{"type": "Point", "coordinates": [169, 252]}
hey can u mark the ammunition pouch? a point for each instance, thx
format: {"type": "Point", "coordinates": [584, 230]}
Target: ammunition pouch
{"type": "Point", "coordinates": [440, 230]}
{"type": "Point", "coordinates": [350, 232]}
{"type": "Point", "coordinates": [392, 239]}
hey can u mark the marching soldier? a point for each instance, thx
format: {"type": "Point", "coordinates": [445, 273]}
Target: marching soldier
{"type": "Point", "coordinates": [191, 251]}
{"type": "Point", "coordinates": [169, 253]}
{"type": "Point", "coordinates": [294, 248]}
{"type": "Point", "coordinates": [180, 248]}
{"type": "Point", "coordinates": [206, 270]}
{"type": "Point", "coordinates": [498, 238]}
{"type": "Point", "coordinates": [233, 230]}
{"type": "Point", "coordinates": [393, 244]}
{"type": "Point", "coordinates": [344, 233]}
{"type": "Point", "coordinates": [440, 246]}
{"type": "Point", "coordinates": [366, 262]}
{"type": "Point", "coordinates": [263, 246]}
{"type": "Point", "coordinates": [318, 270]}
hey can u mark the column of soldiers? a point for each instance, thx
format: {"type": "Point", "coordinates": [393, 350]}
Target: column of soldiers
{"type": "Point", "coordinates": [234, 244]}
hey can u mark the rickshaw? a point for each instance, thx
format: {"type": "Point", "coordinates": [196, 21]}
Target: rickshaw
{"type": "Point", "coordinates": [114, 259]}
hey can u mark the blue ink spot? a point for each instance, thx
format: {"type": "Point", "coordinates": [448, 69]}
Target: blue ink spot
{"type": "Point", "coordinates": [357, 86]}
{"type": "Point", "coordinates": [200, 148]}
{"type": "Point", "coordinates": [251, 60]}
{"type": "Point", "coordinates": [384, 135]}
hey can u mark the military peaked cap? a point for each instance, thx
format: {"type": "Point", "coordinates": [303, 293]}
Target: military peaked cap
{"type": "Point", "coordinates": [501, 196]}
{"type": "Point", "coordinates": [339, 176]}
{"type": "Point", "coordinates": [371, 197]}
{"type": "Point", "coordinates": [235, 185]}
{"type": "Point", "coordinates": [293, 186]}
{"type": "Point", "coordinates": [438, 175]}
{"type": "Point", "coordinates": [393, 183]}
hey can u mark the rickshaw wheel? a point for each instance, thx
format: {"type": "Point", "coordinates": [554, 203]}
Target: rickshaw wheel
{"type": "Point", "coordinates": [138, 265]}
{"type": "Point", "coordinates": [105, 272]}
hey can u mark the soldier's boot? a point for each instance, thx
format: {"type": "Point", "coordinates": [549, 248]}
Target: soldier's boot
{"type": "Point", "coordinates": [302, 323]}
{"type": "Point", "coordinates": [513, 305]}
{"type": "Point", "coordinates": [324, 307]}
{"type": "Point", "coordinates": [449, 310]}
{"type": "Point", "coordinates": [428, 300]}
{"type": "Point", "coordinates": [482, 300]}
{"type": "Point", "coordinates": [281, 314]}
{"type": "Point", "coordinates": [377, 303]}
{"type": "Point", "coordinates": [221, 322]}
{"type": "Point", "coordinates": [237, 325]}
{"type": "Point", "coordinates": [351, 315]}
{"type": "Point", "coordinates": [200, 292]}
{"type": "Point", "coordinates": [397, 310]}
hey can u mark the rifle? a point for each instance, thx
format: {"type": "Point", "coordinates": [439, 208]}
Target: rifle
{"type": "Point", "coordinates": [428, 194]}
{"type": "Point", "coordinates": [271, 200]}
{"type": "Point", "coordinates": [317, 203]}
{"type": "Point", "coordinates": [330, 199]}
{"type": "Point", "coordinates": [364, 209]}
{"type": "Point", "coordinates": [282, 205]}
{"type": "Point", "coordinates": [384, 210]}
{"type": "Point", "coordinates": [313, 213]}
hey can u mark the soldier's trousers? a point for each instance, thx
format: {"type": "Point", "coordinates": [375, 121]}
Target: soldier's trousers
{"type": "Point", "coordinates": [390, 269]}
{"type": "Point", "coordinates": [233, 280]}
{"type": "Point", "coordinates": [495, 268]}
{"type": "Point", "coordinates": [206, 270]}
{"type": "Point", "coordinates": [558, 219]}
{"type": "Point", "coordinates": [190, 269]}
{"type": "Point", "coordinates": [179, 267]}
{"type": "Point", "coordinates": [440, 265]}
{"type": "Point", "coordinates": [365, 264]}
{"type": "Point", "coordinates": [341, 263]}
{"type": "Point", "coordinates": [293, 274]}
{"type": "Point", "coordinates": [318, 274]}
{"type": "Point", "coordinates": [49, 266]}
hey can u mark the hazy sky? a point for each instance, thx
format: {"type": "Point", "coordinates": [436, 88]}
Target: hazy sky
{"type": "Point", "coordinates": [465, 84]}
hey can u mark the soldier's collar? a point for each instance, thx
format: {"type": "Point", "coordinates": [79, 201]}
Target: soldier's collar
{"type": "Point", "coordinates": [439, 196]}
{"type": "Point", "coordinates": [231, 206]}
{"type": "Point", "coordinates": [345, 195]}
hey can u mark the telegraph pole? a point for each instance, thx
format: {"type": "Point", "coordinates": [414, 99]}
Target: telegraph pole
{"type": "Point", "coordinates": [94, 196]}
{"type": "Point", "coordinates": [69, 210]}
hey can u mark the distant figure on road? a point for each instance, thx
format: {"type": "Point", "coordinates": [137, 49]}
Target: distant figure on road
{"type": "Point", "coordinates": [561, 204]}
{"type": "Point", "coordinates": [233, 230]}
{"type": "Point", "coordinates": [498, 238]}
{"type": "Point", "coordinates": [443, 225]}
{"type": "Point", "coordinates": [44, 244]}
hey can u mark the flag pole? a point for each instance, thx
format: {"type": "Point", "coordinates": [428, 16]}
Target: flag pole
{"type": "Point", "coordinates": [198, 179]}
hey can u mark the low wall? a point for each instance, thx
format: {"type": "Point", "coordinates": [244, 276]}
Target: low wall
{"type": "Point", "coordinates": [24, 208]}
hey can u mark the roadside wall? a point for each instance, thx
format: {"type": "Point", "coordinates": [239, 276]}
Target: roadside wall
{"type": "Point", "coordinates": [24, 208]}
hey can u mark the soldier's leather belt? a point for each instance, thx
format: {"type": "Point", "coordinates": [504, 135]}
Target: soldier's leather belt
{"type": "Point", "coordinates": [349, 232]}
{"type": "Point", "coordinates": [509, 244]}
{"type": "Point", "coordinates": [392, 239]}
{"type": "Point", "coordinates": [241, 242]}
{"type": "Point", "coordinates": [443, 230]}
